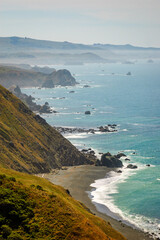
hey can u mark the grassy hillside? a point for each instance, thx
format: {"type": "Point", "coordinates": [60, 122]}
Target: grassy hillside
{"type": "Point", "coordinates": [28, 143]}
{"type": "Point", "coordinates": [30, 78]}
{"type": "Point", "coordinates": [15, 76]}
{"type": "Point", "coordinates": [33, 208]}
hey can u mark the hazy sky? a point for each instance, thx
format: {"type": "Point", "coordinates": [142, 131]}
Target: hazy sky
{"type": "Point", "coordinates": [86, 21]}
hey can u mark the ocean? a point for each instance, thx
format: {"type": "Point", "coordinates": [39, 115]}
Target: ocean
{"type": "Point", "coordinates": [132, 102]}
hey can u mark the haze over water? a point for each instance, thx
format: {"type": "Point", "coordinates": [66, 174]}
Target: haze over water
{"type": "Point", "coordinates": [131, 102]}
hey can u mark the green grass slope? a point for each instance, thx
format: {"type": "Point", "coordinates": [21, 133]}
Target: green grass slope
{"type": "Point", "coordinates": [33, 208]}
{"type": "Point", "coordinates": [28, 143]}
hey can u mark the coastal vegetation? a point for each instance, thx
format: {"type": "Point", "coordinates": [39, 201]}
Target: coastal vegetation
{"type": "Point", "coordinates": [33, 208]}
{"type": "Point", "coordinates": [28, 143]}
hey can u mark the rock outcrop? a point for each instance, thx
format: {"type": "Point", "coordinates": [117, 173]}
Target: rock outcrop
{"type": "Point", "coordinates": [87, 112]}
{"type": "Point", "coordinates": [62, 77]}
{"type": "Point", "coordinates": [28, 100]}
{"type": "Point", "coordinates": [131, 166]}
{"type": "Point", "coordinates": [111, 161]}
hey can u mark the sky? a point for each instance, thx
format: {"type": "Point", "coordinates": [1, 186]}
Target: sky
{"type": "Point", "coordinates": [135, 22]}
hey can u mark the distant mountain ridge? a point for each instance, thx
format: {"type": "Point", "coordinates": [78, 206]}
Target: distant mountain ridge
{"type": "Point", "coordinates": [19, 42]}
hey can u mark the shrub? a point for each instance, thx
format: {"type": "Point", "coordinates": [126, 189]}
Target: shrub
{"type": "Point", "coordinates": [12, 179]}
{"type": "Point", "coordinates": [39, 187]}
{"type": "Point", "coordinates": [5, 231]}
{"type": "Point", "coordinates": [2, 176]}
{"type": "Point", "coordinates": [14, 236]}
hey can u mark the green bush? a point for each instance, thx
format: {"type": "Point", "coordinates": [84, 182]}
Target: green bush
{"type": "Point", "coordinates": [12, 179]}
{"type": "Point", "coordinates": [16, 210]}
{"type": "Point", "coordinates": [2, 176]}
{"type": "Point", "coordinates": [5, 231]}
{"type": "Point", "coordinates": [14, 236]}
{"type": "Point", "coordinates": [39, 187]}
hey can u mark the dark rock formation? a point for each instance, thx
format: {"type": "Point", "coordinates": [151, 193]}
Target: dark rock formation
{"type": "Point", "coordinates": [108, 128]}
{"type": "Point", "coordinates": [111, 161]}
{"type": "Point", "coordinates": [48, 84]}
{"type": "Point", "coordinates": [127, 159]}
{"type": "Point", "coordinates": [86, 86]}
{"type": "Point", "coordinates": [45, 109]}
{"type": "Point", "coordinates": [129, 74]}
{"type": "Point", "coordinates": [62, 77]}
{"type": "Point", "coordinates": [28, 100]}
{"type": "Point", "coordinates": [82, 130]}
{"type": "Point", "coordinates": [87, 112]}
{"type": "Point", "coordinates": [98, 163]}
{"type": "Point", "coordinates": [108, 154]}
{"type": "Point", "coordinates": [131, 166]}
{"type": "Point", "coordinates": [119, 155]}
{"type": "Point", "coordinates": [90, 155]}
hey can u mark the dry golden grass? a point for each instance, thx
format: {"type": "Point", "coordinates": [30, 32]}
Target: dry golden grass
{"type": "Point", "coordinates": [28, 143]}
{"type": "Point", "coordinates": [56, 214]}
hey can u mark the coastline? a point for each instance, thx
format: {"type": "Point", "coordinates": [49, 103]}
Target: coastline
{"type": "Point", "coordinates": [77, 180]}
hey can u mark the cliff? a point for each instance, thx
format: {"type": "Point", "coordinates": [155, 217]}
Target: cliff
{"type": "Point", "coordinates": [30, 78]}
{"type": "Point", "coordinates": [28, 143]}
{"type": "Point", "coordinates": [31, 207]}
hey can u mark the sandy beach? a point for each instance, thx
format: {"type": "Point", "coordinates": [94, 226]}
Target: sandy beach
{"type": "Point", "coordinates": [77, 180]}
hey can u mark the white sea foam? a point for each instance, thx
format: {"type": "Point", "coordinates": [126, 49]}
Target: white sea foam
{"type": "Point", "coordinates": [146, 157]}
{"type": "Point", "coordinates": [106, 112]}
{"type": "Point", "coordinates": [133, 135]}
{"type": "Point", "coordinates": [102, 195]}
{"type": "Point", "coordinates": [129, 150]}
{"type": "Point", "coordinates": [124, 130]}
{"type": "Point", "coordinates": [137, 124]}
{"type": "Point", "coordinates": [77, 135]}
{"type": "Point", "coordinates": [69, 113]}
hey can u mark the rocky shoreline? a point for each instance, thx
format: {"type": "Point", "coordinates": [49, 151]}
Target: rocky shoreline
{"type": "Point", "coordinates": [106, 128]}
{"type": "Point", "coordinates": [28, 100]}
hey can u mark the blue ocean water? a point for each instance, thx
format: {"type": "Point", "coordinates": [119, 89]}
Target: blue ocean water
{"type": "Point", "coordinates": [132, 102]}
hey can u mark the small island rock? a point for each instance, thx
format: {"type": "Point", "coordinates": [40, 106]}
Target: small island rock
{"type": "Point", "coordinates": [87, 112]}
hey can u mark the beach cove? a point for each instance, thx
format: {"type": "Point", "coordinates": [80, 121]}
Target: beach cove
{"type": "Point", "coordinates": [77, 180]}
{"type": "Point", "coordinates": [132, 103]}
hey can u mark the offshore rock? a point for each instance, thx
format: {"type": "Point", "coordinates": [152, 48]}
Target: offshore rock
{"type": "Point", "coordinates": [111, 161]}
{"type": "Point", "coordinates": [131, 166]}
{"type": "Point", "coordinates": [87, 112]}
{"type": "Point", "coordinates": [119, 155]}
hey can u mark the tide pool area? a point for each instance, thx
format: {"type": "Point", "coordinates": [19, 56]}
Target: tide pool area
{"type": "Point", "coordinates": [132, 103]}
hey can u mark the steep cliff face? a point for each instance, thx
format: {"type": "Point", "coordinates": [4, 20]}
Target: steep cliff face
{"type": "Point", "coordinates": [28, 143]}
{"type": "Point", "coordinates": [62, 77]}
